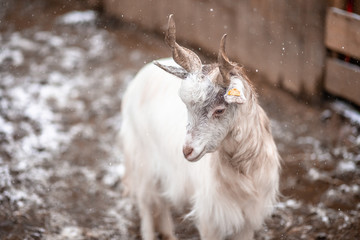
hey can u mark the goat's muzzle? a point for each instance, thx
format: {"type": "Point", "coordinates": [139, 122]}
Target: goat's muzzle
{"type": "Point", "coordinates": [187, 150]}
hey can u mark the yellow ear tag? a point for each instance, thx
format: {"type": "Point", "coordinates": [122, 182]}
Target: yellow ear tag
{"type": "Point", "coordinates": [234, 92]}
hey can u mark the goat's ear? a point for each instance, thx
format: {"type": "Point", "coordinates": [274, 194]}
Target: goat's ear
{"type": "Point", "coordinates": [177, 71]}
{"type": "Point", "coordinates": [235, 92]}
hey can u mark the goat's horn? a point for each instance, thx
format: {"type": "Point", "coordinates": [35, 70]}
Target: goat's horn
{"type": "Point", "coordinates": [170, 35]}
{"type": "Point", "coordinates": [182, 56]}
{"type": "Point", "coordinates": [225, 66]}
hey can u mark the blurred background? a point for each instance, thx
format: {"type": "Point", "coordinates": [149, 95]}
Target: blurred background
{"type": "Point", "coordinates": [64, 65]}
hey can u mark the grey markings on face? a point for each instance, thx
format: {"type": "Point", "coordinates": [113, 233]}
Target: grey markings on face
{"type": "Point", "coordinates": [216, 99]}
{"type": "Point", "coordinates": [200, 93]}
{"type": "Point", "coordinates": [201, 113]}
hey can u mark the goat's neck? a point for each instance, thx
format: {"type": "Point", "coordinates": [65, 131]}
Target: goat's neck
{"type": "Point", "coordinates": [243, 145]}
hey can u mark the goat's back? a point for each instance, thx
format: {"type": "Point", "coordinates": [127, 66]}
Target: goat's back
{"type": "Point", "coordinates": [152, 135]}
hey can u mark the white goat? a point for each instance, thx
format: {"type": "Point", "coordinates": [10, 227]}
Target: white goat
{"type": "Point", "coordinates": [216, 119]}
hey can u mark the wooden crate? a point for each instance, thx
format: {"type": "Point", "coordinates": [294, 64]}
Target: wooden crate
{"type": "Point", "coordinates": [343, 36]}
{"type": "Point", "coordinates": [343, 79]}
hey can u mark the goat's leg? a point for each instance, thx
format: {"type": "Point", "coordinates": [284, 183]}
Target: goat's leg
{"type": "Point", "coordinates": [147, 220]}
{"type": "Point", "coordinates": [207, 232]}
{"type": "Point", "coordinates": [164, 222]}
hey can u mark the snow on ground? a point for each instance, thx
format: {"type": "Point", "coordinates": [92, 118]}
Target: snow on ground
{"type": "Point", "coordinates": [55, 91]}
{"type": "Point", "coordinates": [60, 96]}
{"type": "Point", "coordinates": [76, 17]}
{"type": "Point", "coordinates": [347, 111]}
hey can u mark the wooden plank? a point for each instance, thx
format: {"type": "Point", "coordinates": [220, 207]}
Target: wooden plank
{"type": "Point", "coordinates": [314, 50]}
{"type": "Point", "coordinates": [343, 79]}
{"type": "Point", "coordinates": [343, 32]}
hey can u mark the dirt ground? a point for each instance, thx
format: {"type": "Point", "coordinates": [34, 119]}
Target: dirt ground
{"type": "Point", "coordinates": [62, 76]}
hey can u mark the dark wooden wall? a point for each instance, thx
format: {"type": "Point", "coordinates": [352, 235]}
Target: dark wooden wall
{"type": "Point", "coordinates": [281, 41]}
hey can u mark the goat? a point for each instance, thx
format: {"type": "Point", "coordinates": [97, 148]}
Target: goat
{"type": "Point", "coordinates": [214, 117]}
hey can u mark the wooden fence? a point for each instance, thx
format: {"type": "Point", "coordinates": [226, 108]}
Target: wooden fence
{"type": "Point", "coordinates": [342, 73]}
{"type": "Point", "coordinates": [285, 42]}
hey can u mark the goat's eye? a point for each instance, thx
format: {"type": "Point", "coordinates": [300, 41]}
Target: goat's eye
{"type": "Point", "coordinates": [218, 112]}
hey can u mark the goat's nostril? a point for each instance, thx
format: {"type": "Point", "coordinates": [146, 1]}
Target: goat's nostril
{"type": "Point", "coordinates": [187, 151]}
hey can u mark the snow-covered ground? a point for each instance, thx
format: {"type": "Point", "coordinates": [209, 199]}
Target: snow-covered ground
{"type": "Point", "coordinates": [60, 168]}
{"type": "Point", "coordinates": [59, 114]}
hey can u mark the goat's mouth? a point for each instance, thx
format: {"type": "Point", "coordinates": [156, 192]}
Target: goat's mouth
{"type": "Point", "coordinates": [197, 157]}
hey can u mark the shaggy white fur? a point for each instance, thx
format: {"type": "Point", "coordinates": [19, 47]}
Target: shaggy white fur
{"type": "Point", "coordinates": [232, 180]}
